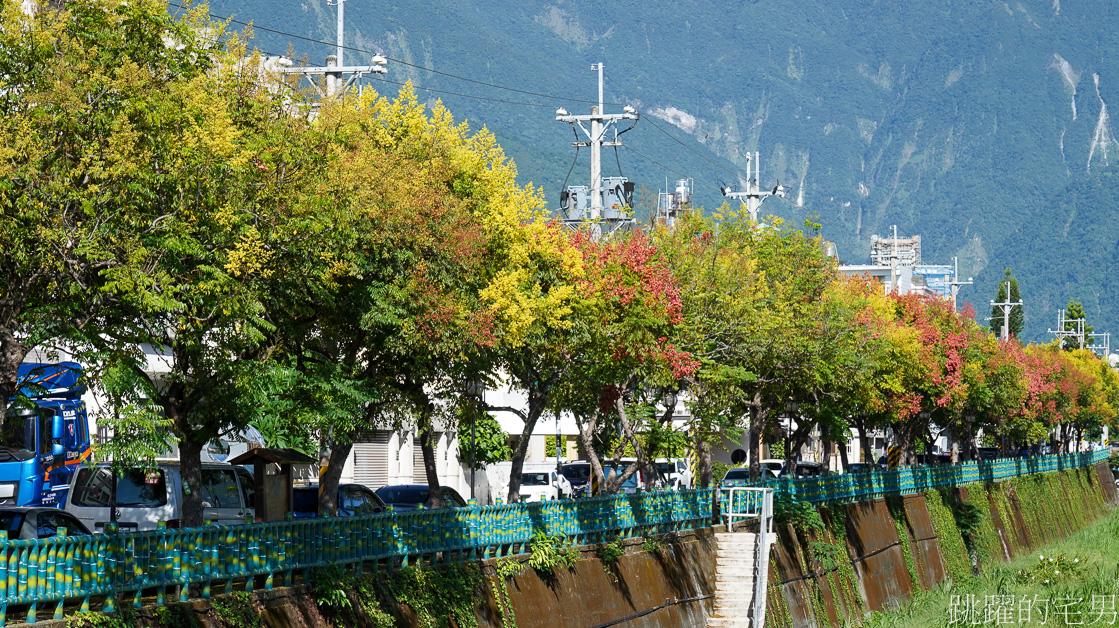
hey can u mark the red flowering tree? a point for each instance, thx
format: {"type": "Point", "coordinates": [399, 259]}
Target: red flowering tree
{"type": "Point", "coordinates": [626, 317]}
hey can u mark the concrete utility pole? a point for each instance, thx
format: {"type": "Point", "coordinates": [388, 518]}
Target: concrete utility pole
{"type": "Point", "coordinates": [956, 284]}
{"type": "Point", "coordinates": [1006, 307]}
{"type": "Point", "coordinates": [335, 69]}
{"type": "Point", "coordinates": [600, 122]}
{"type": "Point", "coordinates": [753, 194]}
{"type": "Point", "coordinates": [1080, 332]}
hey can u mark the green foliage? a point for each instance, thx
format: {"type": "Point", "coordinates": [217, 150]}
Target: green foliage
{"type": "Point", "coordinates": [490, 441]}
{"type": "Point", "coordinates": [610, 553]}
{"type": "Point", "coordinates": [651, 545]}
{"type": "Point", "coordinates": [948, 533]}
{"type": "Point", "coordinates": [507, 568]}
{"type": "Point", "coordinates": [550, 551]}
{"type": "Point", "coordinates": [1052, 570]}
{"type": "Point", "coordinates": [801, 514]}
{"type": "Point", "coordinates": [440, 596]}
{"type": "Point", "coordinates": [238, 609]}
{"type": "Point", "coordinates": [1075, 317]}
{"type": "Point", "coordinates": [718, 471]}
{"type": "Point", "coordinates": [124, 618]}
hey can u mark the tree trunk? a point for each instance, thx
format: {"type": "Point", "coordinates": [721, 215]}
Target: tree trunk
{"type": "Point", "coordinates": [842, 447]}
{"type": "Point", "coordinates": [535, 409]}
{"type": "Point", "coordinates": [427, 447]}
{"type": "Point", "coordinates": [190, 467]}
{"type": "Point", "coordinates": [586, 436]}
{"type": "Point", "coordinates": [328, 481]}
{"type": "Point", "coordinates": [12, 353]}
{"type": "Point", "coordinates": [753, 438]}
{"type": "Point", "coordinates": [703, 451]}
{"type": "Point", "coordinates": [867, 456]}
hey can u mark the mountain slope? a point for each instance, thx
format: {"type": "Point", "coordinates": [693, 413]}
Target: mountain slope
{"type": "Point", "coordinates": [981, 126]}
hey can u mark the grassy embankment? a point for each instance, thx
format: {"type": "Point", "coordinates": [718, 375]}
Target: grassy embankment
{"type": "Point", "coordinates": [1073, 582]}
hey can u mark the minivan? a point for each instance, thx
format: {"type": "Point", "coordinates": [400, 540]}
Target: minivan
{"type": "Point", "coordinates": [144, 497]}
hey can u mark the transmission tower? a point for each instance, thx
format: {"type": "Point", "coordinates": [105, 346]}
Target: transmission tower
{"type": "Point", "coordinates": [610, 199]}
{"type": "Point", "coordinates": [1006, 307]}
{"type": "Point", "coordinates": [753, 195]}
{"type": "Point", "coordinates": [335, 77]}
{"type": "Point", "coordinates": [1063, 328]}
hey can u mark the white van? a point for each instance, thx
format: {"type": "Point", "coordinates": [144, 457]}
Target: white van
{"type": "Point", "coordinates": [144, 498]}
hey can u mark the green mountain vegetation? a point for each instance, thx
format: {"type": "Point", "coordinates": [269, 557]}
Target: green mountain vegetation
{"type": "Point", "coordinates": [982, 126]}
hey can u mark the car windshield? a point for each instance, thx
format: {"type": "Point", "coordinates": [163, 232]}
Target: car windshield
{"type": "Point", "coordinates": [11, 521]}
{"type": "Point", "coordinates": [403, 494]}
{"type": "Point", "coordinates": [534, 479]}
{"type": "Point", "coordinates": [577, 472]}
{"type": "Point", "coordinates": [666, 468]}
{"type": "Point", "coordinates": [305, 499]}
{"type": "Point", "coordinates": [737, 474]}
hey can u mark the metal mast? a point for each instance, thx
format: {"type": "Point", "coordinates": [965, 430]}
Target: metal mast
{"type": "Point", "coordinates": [335, 70]}
{"type": "Point", "coordinates": [600, 124]}
{"type": "Point", "coordinates": [955, 284]}
{"type": "Point", "coordinates": [753, 195]}
{"type": "Point", "coordinates": [1006, 307]}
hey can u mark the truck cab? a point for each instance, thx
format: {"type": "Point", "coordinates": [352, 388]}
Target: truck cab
{"type": "Point", "coordinates": [45, 436]}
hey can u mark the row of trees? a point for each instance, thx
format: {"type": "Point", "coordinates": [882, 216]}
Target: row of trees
{"type": "Point", "coordinates": [369, 266]}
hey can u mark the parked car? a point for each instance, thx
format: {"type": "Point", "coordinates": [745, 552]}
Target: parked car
{"type": "Point", "coordinates": [353, 499]}
{"type": "Point", "coordinates": [860, 467]}
{"type": "Point", "coordinates": [808, 470]}
{"type": "Point", "coordinates": [987, 453]}
{"type": "Point", "coordinates": [146, 497]}
{"type": "Point", "coordinates": [675, 473]}
{"type": "Point", "coordinates": [539, 486]}
{"type": "Point", "coordinates": [405, 497]}
{"type": "Point", "coordinates": [738, 476]}
{"type": "Point", "coordinates": [578, 475]}
{"type": "Point", "coordinates": [773, 466]}
{"type": "Point", "coordinates": [24, 523]}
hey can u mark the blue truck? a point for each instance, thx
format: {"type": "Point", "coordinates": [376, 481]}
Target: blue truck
{"type": "Point", "coordinates": [45, 435]}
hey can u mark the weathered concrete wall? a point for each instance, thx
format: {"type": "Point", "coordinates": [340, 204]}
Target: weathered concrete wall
{"type": "Point", "coordinates": [683, 569]}
{"type": "Point", "coordinates": [891, 548]}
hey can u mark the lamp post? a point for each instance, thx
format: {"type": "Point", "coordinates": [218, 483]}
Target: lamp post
{"type": "Point", "coordinates": [475, 389]}
{"type": "Point", "coordinates": [970, 418]}
{"type": "Point", "coordinates": [791, 408]}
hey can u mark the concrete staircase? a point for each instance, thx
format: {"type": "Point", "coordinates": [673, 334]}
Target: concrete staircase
{"type": "Point", "coordinates": [737, 570]}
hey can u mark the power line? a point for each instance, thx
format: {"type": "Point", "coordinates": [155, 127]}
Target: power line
{"type": "Point", "coordinates": [400, 61]}
{"type": "Point", "coordinates": [674, 139]}
{"type": "Point", "coordinates": [672, 170]}
{"type": "Point", "coordinates": [443, 91]}
{"type": "Point", "coordinates": [458, 39]}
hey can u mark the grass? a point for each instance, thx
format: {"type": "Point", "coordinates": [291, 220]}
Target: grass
{"type": "Point", "coordinates": [1074, 582]}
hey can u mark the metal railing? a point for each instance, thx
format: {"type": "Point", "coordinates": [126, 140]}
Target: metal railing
{"type": "Point", "coordinates": [876, 483]}
{"type": "Point", "coordinates": [752, 503]}
{"type": "Point", "coordinates": [162, 564]}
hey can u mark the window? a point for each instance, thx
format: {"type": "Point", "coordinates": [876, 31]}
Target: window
{"type": "Point", "coordinates": [248, 487]}
{"type": "Point", "coordinates": [46, 418]}
{"type": "Point", "coordinates": [92, 488]}
{"type": "Point", "coordinates": [18, 434]}
{"type": "Point", "coordinates": [219, 488]}
{"type": "Point", "coordinates": [137, 488]}
{"type": "Point", "coordinates": [12, 522]}
{"type": "Point", "coordinates": [534, 479]}
{"type": "Point", "coordinates": [47, 524]}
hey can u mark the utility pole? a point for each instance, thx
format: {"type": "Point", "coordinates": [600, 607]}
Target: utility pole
{"type": "Point", "coordinates": [334, 70]}
{"type": "Point", "coordinates": [956, 284]}
{"type": "Point", "coordinates": [600, 123]}
{"type": "Point", "coordinates": [1006, 307]}
{"type": "Point", "coordinates": [753, 194]}
{"type": "Point", "coordinates": [1062, 330]}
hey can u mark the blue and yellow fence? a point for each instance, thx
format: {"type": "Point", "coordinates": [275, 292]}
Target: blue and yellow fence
{"type": "Point", "coordinates": [161, 565]}
{"type": "Point", "coordinates": [876, 483]}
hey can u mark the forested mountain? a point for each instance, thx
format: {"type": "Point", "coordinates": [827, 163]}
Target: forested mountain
{"type": "Point", "coordinates": [983, 126]}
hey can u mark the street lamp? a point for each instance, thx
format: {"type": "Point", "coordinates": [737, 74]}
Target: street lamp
{"type": "Point", "coordinates": [970, 418]}
{"type": "Point", "coordinates": [791, 409]}
{"type": "Point", "coordinates": [475, 389]}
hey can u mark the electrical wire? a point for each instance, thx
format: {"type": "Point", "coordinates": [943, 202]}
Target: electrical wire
{"type": "Point", "coordinates": [450, 93]}
{"type": "Point", "coordinates": [620, 173]}
{"type": "Point", "coordinates": [458, 39]}
{"type": "Point", "coordinates": [399, 61]}
{"type": "Point", "coordinates": [672, 170]}
{"type": "Point", "coordinates": [674, 139]}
